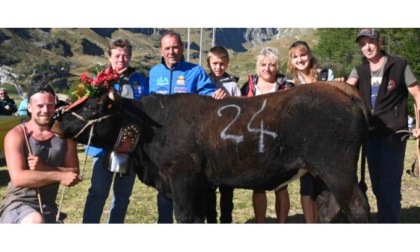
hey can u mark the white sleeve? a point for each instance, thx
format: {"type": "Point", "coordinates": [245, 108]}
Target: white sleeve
{"type": "Point", "coordinates": [127, 91]}
{"type": "Point", "coordinates": [330, 75]}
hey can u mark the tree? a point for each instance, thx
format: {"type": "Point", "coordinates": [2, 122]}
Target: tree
{"type": "Point", "coordinates": [337, 50]}
{"type": "Point", "coordinates": [404, 42]}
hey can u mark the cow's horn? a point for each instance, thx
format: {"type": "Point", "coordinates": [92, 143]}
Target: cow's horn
{"type": "Point", "coordinates": [111, 96]}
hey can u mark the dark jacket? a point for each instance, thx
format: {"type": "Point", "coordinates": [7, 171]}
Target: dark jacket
{"type": "Point", "coordinates": [282, 83]}
{"type": "Point", "coordinates": [12, 105]}
{"type": "Point", "coordinates": [390, 113]}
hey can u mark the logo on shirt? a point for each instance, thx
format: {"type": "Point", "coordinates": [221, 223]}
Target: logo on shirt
{"type": "Point", "coordinates": [136, 85]}
{"type": "Point", "coordinates": [136, 89]}
{"type": "Point", "coordinates": [163, 91]}
{"type": "Point", "coordinates": [376, 81]}
{"type": "Point", "coordinates": [391, 85]}
{"type": "Point", "coordinates": [180, 90]}
{"type": "Point", "coordinates": [180, 80]}
{"type": "Point", "coordinates": [162, 81]}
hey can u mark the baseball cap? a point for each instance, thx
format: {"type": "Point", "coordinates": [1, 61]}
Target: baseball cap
{"type": "Point", "coordinates": [368, 32]}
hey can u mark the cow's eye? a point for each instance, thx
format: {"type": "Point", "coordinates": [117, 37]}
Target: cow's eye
{"type": "Point", "coordinates": [88, 109]}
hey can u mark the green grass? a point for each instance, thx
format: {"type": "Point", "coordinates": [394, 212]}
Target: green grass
{"type": "Point", "coordinates": [142, 208]}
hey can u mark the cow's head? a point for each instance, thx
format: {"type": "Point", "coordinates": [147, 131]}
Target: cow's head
{"type": "Point", "coordinates": [103, 113]}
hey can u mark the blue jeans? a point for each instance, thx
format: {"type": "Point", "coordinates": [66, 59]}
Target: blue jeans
{"type": "Point", "coordinates": [386, 165]}
{"type": "Point", "coordinates": [165, 209]}
{"type": "Point", "coordinates": [99, 190]}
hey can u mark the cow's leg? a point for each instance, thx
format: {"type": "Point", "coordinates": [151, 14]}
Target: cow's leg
{"type": "Point", "coordinates": [342, 183]}
{"type": "Point", "coordinates": [352, 201]}
{"type": "Point", "coordinates": [189, 193]}
{"type": "Point", "coordinates": [329, 210]}
{"type": "Point", "coordinates": [359, 206]}
{"type": "Point", "coordinates": [328, 207]}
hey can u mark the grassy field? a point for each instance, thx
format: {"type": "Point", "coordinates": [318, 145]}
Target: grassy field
{"type": "Point", "coordinates": [142, 208]}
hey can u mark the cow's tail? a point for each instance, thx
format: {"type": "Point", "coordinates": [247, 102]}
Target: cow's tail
{"type": "Point", "coordinates": [362, 182]}
{"type": "Point", "coordinates": [359, 103]}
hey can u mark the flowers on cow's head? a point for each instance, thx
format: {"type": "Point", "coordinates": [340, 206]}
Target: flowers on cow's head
{"type": "Point", "coordinates": [101, 83]}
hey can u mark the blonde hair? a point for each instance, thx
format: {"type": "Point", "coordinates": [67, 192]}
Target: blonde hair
{"type": "Point", "coordinates": [270, 52]}
{"type": "Point", "coordinates": [303, 48]}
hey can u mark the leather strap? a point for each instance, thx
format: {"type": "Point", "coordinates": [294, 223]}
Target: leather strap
{"type": "Point", "coordinates": [250, 85]}
{"type": "Point", "coordinates": [127, 139]}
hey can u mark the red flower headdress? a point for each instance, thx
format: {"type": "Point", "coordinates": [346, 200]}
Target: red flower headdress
{"type": "Point", "coordinates": [98, 85]}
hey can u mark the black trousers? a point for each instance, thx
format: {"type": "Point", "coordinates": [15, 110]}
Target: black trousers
{"type": "Point", "coordinates": [226, 205]}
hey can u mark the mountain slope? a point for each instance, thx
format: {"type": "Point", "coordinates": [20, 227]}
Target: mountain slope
{"type": "Point", "coordinates": [74, 50]}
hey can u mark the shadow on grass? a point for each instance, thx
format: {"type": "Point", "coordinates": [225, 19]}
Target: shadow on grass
{"type": "Point", "coordinates": [409, 215]}
{"type": "Point", "coordinates": [4, 178]}
{"type": "Point", "coordinates": [297, 218]}
{"type": "Point", "coordinates": [4, 174]}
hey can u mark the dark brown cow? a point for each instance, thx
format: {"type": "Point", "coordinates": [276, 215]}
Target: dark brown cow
{"type": "Point", "coordinates": [188, 142]}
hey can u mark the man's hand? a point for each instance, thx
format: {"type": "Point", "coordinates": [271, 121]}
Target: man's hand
{"type": "Point", "coordinates": [70, 179]}
{"type": "Point", "coordinates": [219, 94]}
{"type": "Point", "coordinates": [416, 133]}
{"type": "Point", "coordinates": [340, 79]}
{"type": "Point", "coordinates": [36, 163]}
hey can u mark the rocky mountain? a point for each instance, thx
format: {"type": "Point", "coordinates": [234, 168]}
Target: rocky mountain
{"type": "Point", "coordinates": [241, 39]}
{"type": "Point", "coordinates": [69, 51]}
